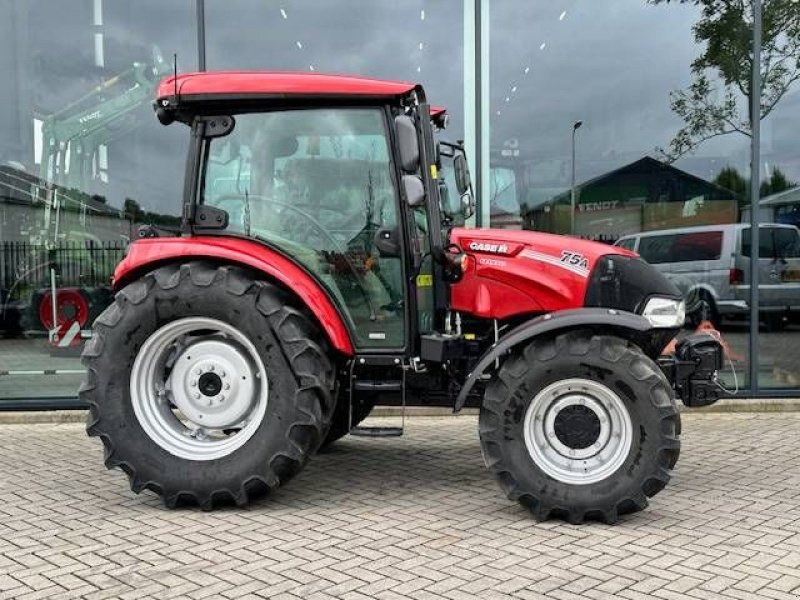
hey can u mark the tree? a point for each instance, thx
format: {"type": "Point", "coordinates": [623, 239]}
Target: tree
{"type": "Point", "coordinates": [777, 182]}
{"type": "Point", "coordinates": [717, 101]}
{"type": "Point", "coordinates": [730, 179]}
{"type": "Point", "coordinates": [133, 210]}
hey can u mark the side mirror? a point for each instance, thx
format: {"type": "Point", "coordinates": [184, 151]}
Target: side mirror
{"type": "Point", "coordinates": [408, 144]}
{"type": "Point", "coordinates": [451, 206]}
{"type": "Point", "coordinates": [413, 190]}
{"type": "Point", "coordinates": [468, 202]}
{"type": "Point", "coordinates": [463, 181]}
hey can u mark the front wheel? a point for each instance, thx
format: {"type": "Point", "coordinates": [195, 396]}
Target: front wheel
{"type": "Point", "coordinates": [580, 427]}
{"type": "Point", "coordinates": [207, 386]}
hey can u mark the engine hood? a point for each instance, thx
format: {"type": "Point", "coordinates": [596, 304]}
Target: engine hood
{"type": "Point", "coordinates": [513, 272]}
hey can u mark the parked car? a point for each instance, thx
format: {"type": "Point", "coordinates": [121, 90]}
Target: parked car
{"type": "Point", "coordinates": [711, 265]}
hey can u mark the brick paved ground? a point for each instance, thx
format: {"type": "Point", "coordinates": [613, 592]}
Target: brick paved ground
{"type": "Point", "coordinates": [416, 517]}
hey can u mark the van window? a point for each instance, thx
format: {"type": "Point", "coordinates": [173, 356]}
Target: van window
{"type": "Point", "coordinates": [682, 247]}
{"type": "Point", "coordinates": [628, 243]}
{"type": "Point", "coordinates": [773, 242]}
{"type": "Point", "coordinates": [787, 242]}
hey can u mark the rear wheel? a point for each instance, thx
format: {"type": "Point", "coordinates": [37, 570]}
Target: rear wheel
{"type": "Point", "coordinates": [206, 386]}
{"type": "Point", "coordinates": [580, 427]}
{"type": "Point", "coordinates": [774, 321]}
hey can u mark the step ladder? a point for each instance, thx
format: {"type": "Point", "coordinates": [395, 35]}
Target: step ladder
{"type": "Point", "coordinates": [378, 386]}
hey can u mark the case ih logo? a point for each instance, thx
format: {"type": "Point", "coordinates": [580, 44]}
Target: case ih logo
{"type": "Point", "coordinates": [489, 248]}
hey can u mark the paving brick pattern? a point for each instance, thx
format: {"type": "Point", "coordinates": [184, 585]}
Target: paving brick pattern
{"type": "Point", "coordinates": [413, 517]}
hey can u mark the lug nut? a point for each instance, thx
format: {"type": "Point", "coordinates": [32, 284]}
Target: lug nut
{"type": "Point", "coordinates": [211, 368]}
{"type": "Point", "coordinates": [194, 383]}
{"type": "Point", "coordinates": [197, 395]}
{"type": "Point", "coordinates": [222, 374]}
{"type": "Point", "coordinates": [227, 386]}
{"type": "Point", "coordinates": [198, 371]}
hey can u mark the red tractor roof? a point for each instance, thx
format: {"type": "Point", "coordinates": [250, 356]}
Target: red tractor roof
{"type": "Point", "coordinates": [250, 83]}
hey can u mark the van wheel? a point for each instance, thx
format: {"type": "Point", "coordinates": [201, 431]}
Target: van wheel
{"type": "Point", "coordinates": [774, 321]}
{"type": "Point", "coordinates": [705, 309]}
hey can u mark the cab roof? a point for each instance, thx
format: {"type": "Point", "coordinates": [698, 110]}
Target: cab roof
{"type": "Point", "coordinates": [248, 84]}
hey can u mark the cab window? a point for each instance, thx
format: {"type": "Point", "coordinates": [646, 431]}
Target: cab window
{"type": "Point", "coordinates": [317, 184]}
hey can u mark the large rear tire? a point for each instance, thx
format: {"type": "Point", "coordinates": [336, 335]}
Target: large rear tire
{"type": "Point", "coordinates": [206, 386]}
{"type": "Point", "coordinates": [580, 427]}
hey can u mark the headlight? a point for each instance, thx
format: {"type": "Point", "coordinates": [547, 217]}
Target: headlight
{"type": "Point", "coordinates": [665, 312]}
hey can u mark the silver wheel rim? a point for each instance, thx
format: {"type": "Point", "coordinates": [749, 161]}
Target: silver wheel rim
{"type": "Point", "coordinates": [573, 464]}
{"type": "Point", "coordinates": [199, 388]}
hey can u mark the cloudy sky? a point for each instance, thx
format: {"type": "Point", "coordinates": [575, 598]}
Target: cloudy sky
{"type": "Point", "coordinates": [611, 64]}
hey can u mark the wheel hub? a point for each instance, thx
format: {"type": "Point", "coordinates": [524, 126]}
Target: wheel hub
{"type": "Point", "coordinates": [212, 383]}
{"type": "Point", "coordinates": [577, 426]}
{"type": "Point", "coordinates": [578, 431]}
{"type": "Point", "coordinates": [212, 374]}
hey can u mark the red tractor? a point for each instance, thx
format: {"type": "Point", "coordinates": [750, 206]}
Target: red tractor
{"type": "Point", "coordinates": [323, 266]}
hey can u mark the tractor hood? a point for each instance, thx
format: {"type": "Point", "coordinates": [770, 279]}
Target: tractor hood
{"type": "Point", "coordinates": [512, 272]}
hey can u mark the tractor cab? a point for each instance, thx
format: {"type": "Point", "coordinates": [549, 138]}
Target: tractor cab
{"type": "Point", "coordinates": [339, 174]}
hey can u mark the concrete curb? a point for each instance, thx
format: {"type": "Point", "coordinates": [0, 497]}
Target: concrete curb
{"type": "Point", "coordinates": [738, 405]}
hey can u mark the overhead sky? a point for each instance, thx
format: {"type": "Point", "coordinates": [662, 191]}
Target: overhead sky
{"type": "Point", "coordinates": [610, 64]}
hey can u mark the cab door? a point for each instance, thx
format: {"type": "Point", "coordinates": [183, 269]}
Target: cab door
{"type": "Point", "coordinates": [319, 185]}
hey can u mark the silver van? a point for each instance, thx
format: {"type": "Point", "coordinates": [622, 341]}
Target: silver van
{"type": "Point", "coordinates": [711, 265]}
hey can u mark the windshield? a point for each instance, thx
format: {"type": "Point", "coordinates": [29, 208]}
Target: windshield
{"type": "Point", "coordinates": [330, 166]}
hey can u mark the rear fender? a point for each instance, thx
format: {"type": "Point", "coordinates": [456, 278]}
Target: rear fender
{"type": "Point", "coordinates": [629, 326]}
{"type": "Point", "coordinates": [147, 254]}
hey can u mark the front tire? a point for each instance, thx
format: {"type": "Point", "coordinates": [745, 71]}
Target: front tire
{"type": "Point", "coordinates": [580, 427]}
{"type": "Point", "coordinates": [206, 387]}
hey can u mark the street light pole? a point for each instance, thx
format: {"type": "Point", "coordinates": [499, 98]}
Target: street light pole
{"type": "Point", "coordinates": [575, 128]}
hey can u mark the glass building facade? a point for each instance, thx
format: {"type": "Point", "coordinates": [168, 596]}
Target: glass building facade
{"type": "Point", "coordinates": [624, 121]}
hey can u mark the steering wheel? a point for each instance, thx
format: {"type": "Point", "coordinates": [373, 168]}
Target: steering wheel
{"type": "Point", "coordinates": [309, 229]}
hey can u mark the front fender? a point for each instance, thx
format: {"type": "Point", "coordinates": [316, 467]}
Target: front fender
{"type": "Point", "coordinates": [626, 325]}
{"type": "Point", "coordinates": [149, 253]}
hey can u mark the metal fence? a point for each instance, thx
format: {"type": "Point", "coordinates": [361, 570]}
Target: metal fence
{"type": "Point", "coordinates": [77, 264]}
